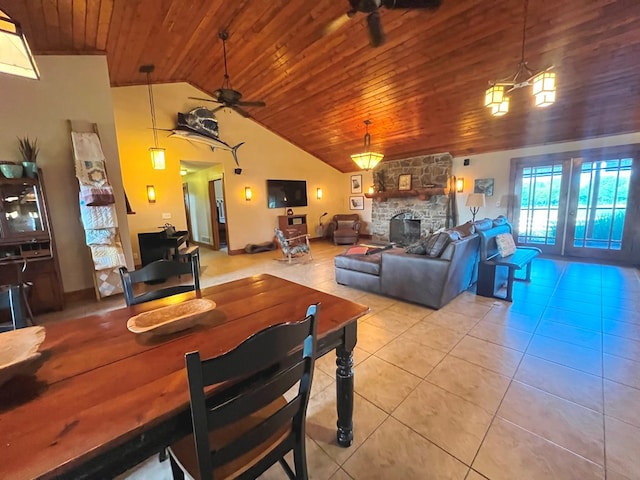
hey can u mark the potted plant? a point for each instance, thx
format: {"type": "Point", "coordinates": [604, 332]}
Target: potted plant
{"type": "Point", "coordinates": [29, 151]}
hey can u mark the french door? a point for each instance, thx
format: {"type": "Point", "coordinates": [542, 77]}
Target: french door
{"type": "Point", "coordinates": [576, 204]}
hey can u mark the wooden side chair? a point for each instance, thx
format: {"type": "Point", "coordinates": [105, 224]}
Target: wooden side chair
{"type": "Point", "coordinates": [293, 246]}
{"type": "Point", "coordinates": [157, 272]}
{"type": "Point", "coordinates": [250, 426]}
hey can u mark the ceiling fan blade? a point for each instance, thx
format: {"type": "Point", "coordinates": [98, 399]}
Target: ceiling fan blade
{"type": "Point", "coordinates": [204, 99]}
{"type": "Point", "coordinates": [251, 104]}
{"type": "Point", "coordinates": [376, 35]}
{"type": "Point", "coordinates": [336, 24]}
{"type": "Point", "coordinates": [242, 112]}
{"type": "Point", "coordinates": [217, 108]}
{"type": "Point", "coordinates": [399, 4]}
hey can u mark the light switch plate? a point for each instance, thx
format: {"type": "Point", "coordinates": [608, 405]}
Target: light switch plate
{"type": "Point", "coordinates": [166, 216]}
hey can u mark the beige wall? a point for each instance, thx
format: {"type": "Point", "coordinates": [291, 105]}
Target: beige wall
{"type": "Point", "coordinates": [497, 165]}
{"type": "Point", "coordinates": [264, 155]}
{"type": "Point", "coordinates": [71, 87]}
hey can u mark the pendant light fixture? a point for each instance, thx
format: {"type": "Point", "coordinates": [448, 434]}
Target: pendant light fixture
{"type": "Point", "coordinates": [543, 83]}
{"type": "Point", "coordinates": [367, 160]}
{"type": "Point", "coordinates": [15, 54]}
{"type": "Point", "coordinates": [157, 153]}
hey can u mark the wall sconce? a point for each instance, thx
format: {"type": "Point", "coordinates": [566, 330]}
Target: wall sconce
{"type": "Point", "coordinates": [248, 194]}
{"type": "Point", "coordinates": [151, 194]}
{"type": "Point", "coordinates": [372, 189]}
{"type": "Point", "coordinates": [319, 193]}
{"type": "Point", "coordinates": [460, 185]}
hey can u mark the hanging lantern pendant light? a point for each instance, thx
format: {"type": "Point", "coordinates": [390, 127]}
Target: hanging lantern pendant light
{"type": "Point", "coordinates": [156, 153]}
{"type": "Point", "coordinates": [367, 160]}
{"type": "Point", "coordinates": [543, 83]}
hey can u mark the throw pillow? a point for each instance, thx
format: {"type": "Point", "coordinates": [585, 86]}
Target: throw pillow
{"type": "Point", "coordinates": [454, 235]}
{"type": "Point", "coordinates": [437, 243]}
{"type": "Point", "coordinates": [417, 248]}
{"type": "Point", "coordinates": [465, 229]}
{"type": "Point", "coordinates": [506, 245]}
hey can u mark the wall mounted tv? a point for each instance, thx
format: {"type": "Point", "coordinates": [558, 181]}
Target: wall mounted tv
{"type": "Point", "coordinates": [286, 193]}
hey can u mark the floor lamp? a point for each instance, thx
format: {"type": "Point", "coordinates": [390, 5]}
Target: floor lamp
{"type": "Point", "coordinates": [474, 202]}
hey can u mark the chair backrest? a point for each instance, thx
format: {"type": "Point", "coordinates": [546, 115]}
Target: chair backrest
{"type": "Point", "coordinates": [281, 239]}
{"type": "Point", "coordinates": [156, 272]}
{"type": "Point", "coordinates": [261, 370]}
{"type": "Point", "coordinates": [341, 220]}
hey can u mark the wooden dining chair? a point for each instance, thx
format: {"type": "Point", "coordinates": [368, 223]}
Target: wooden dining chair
{"type": "Point", "coordinates": [250, 426]}
{"type": "Point", "coordinates": [157, 272]}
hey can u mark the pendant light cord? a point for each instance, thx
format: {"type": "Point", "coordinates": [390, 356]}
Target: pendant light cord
{"type": "Point", "coordinates": [524, 29]}
{"type": "Point", "coordinates": [152, 107]}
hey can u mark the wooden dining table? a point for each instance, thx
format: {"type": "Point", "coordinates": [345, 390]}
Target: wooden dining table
{"type": "Point", "coordinates": [104, 399]}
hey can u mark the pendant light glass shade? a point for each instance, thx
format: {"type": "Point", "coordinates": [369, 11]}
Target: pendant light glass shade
{"type": "Point", "coordinates": [15, 55]}
{"type": "Point", "coordinates": [500, 109]}
{"type": "Point", "coordinates": [544, 89]}
{"type": "Point", "coordinates": [367, 160]}
{"type": "Point", "coordinates": [157, 158]}
{"type": "Point", "coordinates": [493, 96]}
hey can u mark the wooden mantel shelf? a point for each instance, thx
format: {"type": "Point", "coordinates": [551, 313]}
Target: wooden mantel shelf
{"type": "Point", "coordinates": [421, 193]}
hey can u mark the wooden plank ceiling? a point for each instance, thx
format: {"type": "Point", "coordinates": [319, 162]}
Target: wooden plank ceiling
{"type": "Point", "coordinates": [423, 89]}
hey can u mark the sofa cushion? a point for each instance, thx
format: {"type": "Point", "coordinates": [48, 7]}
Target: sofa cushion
{"type": "Point", "coordinates": [436, 243]}
{"type": "Point", "coordinates": [500, 220]}
{"type": "Point", "coordinates": [465, 229]}
{"type": "Point", "coordinates": [417, 248]}
{"type": "Point", "coordinates": [359, 263]}
{"type": "Point", "coordinates": [345, 224]}
{"type": "Point", "coordinates": [484, 224]}
{"type": "Point", "coordinates": [506, 245]}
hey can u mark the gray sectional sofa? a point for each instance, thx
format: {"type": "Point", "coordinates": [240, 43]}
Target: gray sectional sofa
{"type": "Point", "coordinates": [426, 280]}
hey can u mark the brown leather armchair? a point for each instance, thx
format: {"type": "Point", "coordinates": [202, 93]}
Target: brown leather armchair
{"type": "Point", "coordinates": [346, 228]}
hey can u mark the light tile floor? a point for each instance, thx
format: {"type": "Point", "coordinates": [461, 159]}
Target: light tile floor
{"type": "Point", "coordinates": [545, 388]}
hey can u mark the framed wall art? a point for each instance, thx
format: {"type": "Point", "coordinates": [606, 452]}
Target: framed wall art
{"type": "Point", "coordinates": [404, 182]}
{"type": "Point", "coordinates": [483, 185]}
{"type": "Point", "coordinates": [356, 203]}
{"type": "Point", "coordinates": [356, 183]}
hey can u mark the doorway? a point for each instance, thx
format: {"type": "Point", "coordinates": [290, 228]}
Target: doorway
{"type": "Point", "coordinates": [218, 214]}
{"type": "Point", "coordinates": [576, 204]}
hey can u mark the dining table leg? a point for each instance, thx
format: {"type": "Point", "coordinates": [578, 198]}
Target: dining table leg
{"type": "Point", "coordinates": [344, 385]}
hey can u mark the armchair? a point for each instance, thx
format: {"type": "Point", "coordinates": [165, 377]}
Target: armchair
{"type": "Point", "coordinates": [293, 246]}
{"type": "Point", "coordinates": [346, 228]}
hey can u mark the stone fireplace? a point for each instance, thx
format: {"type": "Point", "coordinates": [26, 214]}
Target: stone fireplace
{"type": "Point", "coordinates": [431, 213]}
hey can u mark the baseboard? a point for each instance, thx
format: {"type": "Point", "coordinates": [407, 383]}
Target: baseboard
{"type": "Point", "coordinates": [79, 295]}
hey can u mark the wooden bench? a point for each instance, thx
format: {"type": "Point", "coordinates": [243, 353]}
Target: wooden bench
{"type": "Point", "coordinates": [494, 271]}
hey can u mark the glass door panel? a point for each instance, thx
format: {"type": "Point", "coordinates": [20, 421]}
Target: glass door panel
{"type": "Point", "coordinates": [540, 205]}
{"type": "Point", "coordinates": [597, 216]}
{"type": "Point", "coordinates": [21, 209]}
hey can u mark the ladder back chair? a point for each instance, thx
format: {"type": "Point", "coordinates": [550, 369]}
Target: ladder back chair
{"type": "Point", "coordinates": [250, 426]}
{"type": "Point", "coordinates": [156, 272]}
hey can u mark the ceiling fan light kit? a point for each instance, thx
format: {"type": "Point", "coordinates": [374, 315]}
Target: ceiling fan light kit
{"type": "Point", "coordinates": [367, 160]}
{"type": "Point", "coordinates": [543, 83]}
{"type": "Point", "coordinates": [156, 153]}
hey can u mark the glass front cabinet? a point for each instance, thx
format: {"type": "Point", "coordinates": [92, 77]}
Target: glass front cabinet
{"type": "Point", "coordinates": [25, 236]}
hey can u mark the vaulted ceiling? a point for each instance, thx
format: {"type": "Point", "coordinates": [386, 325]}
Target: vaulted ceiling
{"type": "Point", "coordinates": [423, 89]}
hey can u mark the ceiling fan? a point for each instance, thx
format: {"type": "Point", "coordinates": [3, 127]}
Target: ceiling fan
{"type": "Point", "coordinates": [372, 7]}
{"type": "Point", "coordinates": [226, 95]}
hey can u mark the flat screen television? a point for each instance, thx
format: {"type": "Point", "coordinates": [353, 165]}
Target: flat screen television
{"type": "Point", "coordinates": [286, 193]}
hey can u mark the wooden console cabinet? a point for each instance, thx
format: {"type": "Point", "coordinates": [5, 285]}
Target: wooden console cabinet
{"type": "Point", "coordinates": [292, 225]}
{"type": "Point", "coordinates": [25, 235]}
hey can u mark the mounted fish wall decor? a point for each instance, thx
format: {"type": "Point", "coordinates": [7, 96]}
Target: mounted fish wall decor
{"type": "Point", "coordinates": [200, 125]}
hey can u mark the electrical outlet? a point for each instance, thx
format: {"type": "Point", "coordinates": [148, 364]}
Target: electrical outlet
{"type": "Point", "coordinates": [166, 216]}
{"type": "Point", "coordinates": [498, 203]}
{"type": "Point", "coordinates": [135, 255]}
